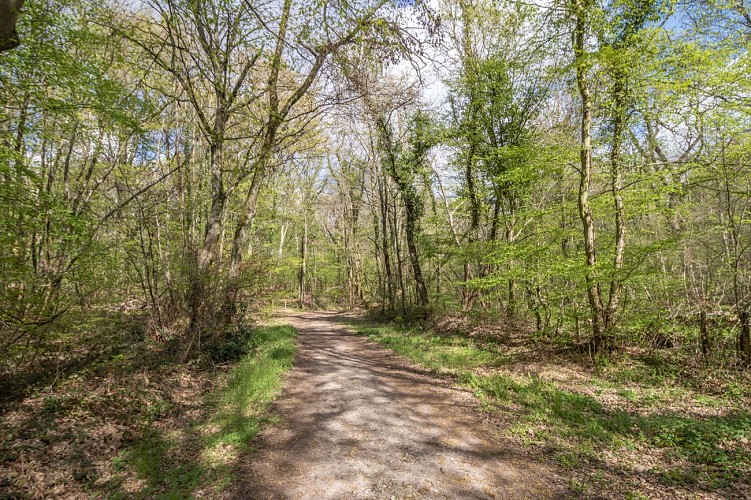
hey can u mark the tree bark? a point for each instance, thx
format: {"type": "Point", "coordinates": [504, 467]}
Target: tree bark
{"type": "Point", "coordinates": [616, 165]}
{"type": "Point", "coordinates": [744, 339]}
{"type": "Point", "coordinates": [422, 291]}
{"type": "Point", "coordinates": [704, 333]}
{"type": "Point", "coordinates": [211, 235]}
{"type": "Point", "coordinates": [585, 176]}
{"type": "Point", "coordinates": [301, 276]}
{"type": "Point", "coordinates": [388, 275]}
{"type": "Point", "coordinates": [410, 199]}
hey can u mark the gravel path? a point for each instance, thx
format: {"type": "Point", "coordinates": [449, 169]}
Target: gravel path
{"type": "Point", "coordinates": [357, 421]}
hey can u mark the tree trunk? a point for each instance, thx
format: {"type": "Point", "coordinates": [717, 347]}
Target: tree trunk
{"type": "Point", "coordinates": [388, 275]}
{"type": "Point", "coordinates": [704, 333]}
{"type": "Point", "coordinates": [239, 246]}
{"type": "Point", "coordinates": [218, 199]}
{"type": "Point", "coordinates": [301, 275]}
{"type": "Point", "coordinates": [211, 237]}
{"type": "Point", "coordinates": [422, 291]}
{"type": "Point", "coordinates": [282, 235]}
{"type": "Point", "coordinates": [744, 340]}
{"type": "Point", "coordinates": [616, 164]}
{"type": "Point", "coordinates": [239, 243]}
{"type": "Point", "coordinates": [585, 177]}
{"type": "Point", "coordinates": [511, 305]}
{"type": "Point", "coordinates": [395, 233]}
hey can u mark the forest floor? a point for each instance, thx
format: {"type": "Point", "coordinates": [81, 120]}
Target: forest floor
{"type": "Point", "coordinates": [449, 409]}
{"type": "Point", "coordinates": [109, 412]}
{"type": "Point", "coordinates": [359, 421]}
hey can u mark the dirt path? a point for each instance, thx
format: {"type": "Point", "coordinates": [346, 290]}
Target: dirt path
{"type": "Point", "coordinates": [357, 421]}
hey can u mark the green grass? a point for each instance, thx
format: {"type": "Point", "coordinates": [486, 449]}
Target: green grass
{"type": "Point", "coordinates": [253, 384]}
{"type": "Point", "coordinates": [575, 417]}
{"type": "Point", "coordinates": [576, 426]}
{"type": "Point", "coordinates": [205, 455]}
{"type": "Point", "coordinates": [440, 353]}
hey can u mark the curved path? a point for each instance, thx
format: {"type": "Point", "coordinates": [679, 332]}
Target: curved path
{"type": "Point", "coordinates": [357, 421]}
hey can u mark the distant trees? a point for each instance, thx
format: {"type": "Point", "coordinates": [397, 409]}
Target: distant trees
{"type": "Point", "coordinates": [576, 169]}
{"type": "Point", "coordinates": [494, 97]}
{"type": "Point", "coordinates": [138, 139]}
{"type": "Point", "coordinates": [61, 153]}
{"type": "Point", "coordinates": [261, 97]}
{"type": "Point", "coordinates": [573, 115]}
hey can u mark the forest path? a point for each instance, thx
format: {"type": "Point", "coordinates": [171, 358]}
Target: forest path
{"type": "Point", "coordinates": [358, 421]}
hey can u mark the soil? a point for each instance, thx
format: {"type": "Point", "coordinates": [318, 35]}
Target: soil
{"type": "Point", "coordinates": [358, 421]}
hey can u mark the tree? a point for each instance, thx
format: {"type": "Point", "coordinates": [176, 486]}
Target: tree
{"type": "Point", "coordinates": [405, 169]}
{"type": "Point", "coordinates": [9, 10]}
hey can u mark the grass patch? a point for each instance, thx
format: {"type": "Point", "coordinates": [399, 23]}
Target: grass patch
{"type": "Point", "coordinates": [204, 455]}
{"type": "Point", "coordinates": [450, 354]}
{"type": "Point", "coordinates": [709, 447]}
{"type": "Point", "coordinates": [713, 443]}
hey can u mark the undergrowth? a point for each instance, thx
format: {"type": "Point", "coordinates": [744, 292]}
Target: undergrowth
{"type": "Point", "coordinates": [203, 457]}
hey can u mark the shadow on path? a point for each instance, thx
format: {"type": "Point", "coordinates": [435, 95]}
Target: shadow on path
{"type": "Point", "coordinates": [359, 422]}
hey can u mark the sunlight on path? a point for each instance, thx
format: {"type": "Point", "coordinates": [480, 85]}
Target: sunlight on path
{"type": "Point", "coordinates": [357, 422]}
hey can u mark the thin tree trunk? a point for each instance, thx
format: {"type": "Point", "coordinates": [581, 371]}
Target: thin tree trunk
{"type": "Point", "coordinates": [301, 277]}
{"type": "Point", "coordinates": [282, 235]}
{"type": "Point", "coordinates": [395, 233]}
{"type": "Point", "coordinates": [388, 275]}
{"type": "Point", "coordinates": [704, 333]}
{"type": "Point", "coordinates": [616, 163]}
{"type": "Point", "coordinates": [422, 291]}
{"type": "Point", "coordinates": [585, 177]}
{"type": "Point", "coordinates": [511, 306]}
{"type": "Point", "coordinates": [744, 339]}
{"type": "Point", "coordinates": [211, 237]}
{"type": "Point", "coordinates": [240, 245]}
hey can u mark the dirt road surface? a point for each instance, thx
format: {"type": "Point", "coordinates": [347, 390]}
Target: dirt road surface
{"type": "Point", "coordinates": [358, 421]}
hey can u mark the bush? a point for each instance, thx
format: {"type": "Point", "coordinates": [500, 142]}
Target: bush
{"type": "Point", "coordinates": [231, 346]}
